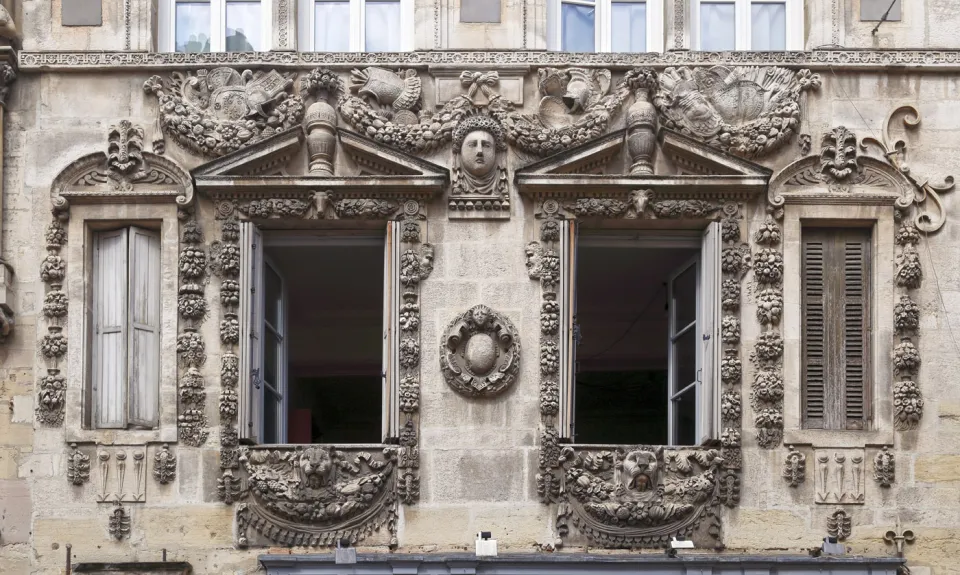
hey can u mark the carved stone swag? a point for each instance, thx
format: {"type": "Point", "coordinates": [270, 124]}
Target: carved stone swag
{"type": "Point", "coordinates": [635, 496]}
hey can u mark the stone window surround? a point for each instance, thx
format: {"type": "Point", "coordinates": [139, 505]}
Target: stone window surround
{"type": "Point", "coordinates": [84, 220]}
{"type": "Point", "coordinates": [883, 227]}
{"type": "Point", "coordinates": [603, 14]}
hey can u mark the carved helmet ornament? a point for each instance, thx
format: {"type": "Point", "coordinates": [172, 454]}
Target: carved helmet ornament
{"type": "Point", "coordinates": [480, 354]}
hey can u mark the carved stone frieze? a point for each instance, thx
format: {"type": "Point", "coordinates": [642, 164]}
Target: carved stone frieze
{"type": "Point", "coordinates": [745, 111]}
{"type": "Point", "coordinates": [480, 354]}
{"type": "Point", "coordinates": [795, 467]}
{"type": "Point", "coordinates": [839, 524]}
{"type": "Point", "coordinates": [314, 496]}
{"type": "Point", "coordinates": [839, 476]}
{"type": "Point", "coordinates": [214, 112]}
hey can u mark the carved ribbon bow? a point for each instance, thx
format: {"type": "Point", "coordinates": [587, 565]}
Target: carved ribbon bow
{"type": "Point", "coordinates": [483, 82]}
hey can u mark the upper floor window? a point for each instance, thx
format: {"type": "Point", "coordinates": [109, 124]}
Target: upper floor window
{"type": "Point", "coordinates": [125, 355]}
{"type": "Point", "coordinates": [214, 25]}
{"type": "Point", "coordinates": [605, 25]}
{"type": "Point", "coordinates": [748, 25]}
{"type": "Point", "coordinates": [355, 25]}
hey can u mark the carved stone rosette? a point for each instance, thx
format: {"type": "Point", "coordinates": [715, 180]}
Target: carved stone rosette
{"type": "Point", "coordinates": [191, 350]}
{"type": "Point", "coordinates": [767, 390]}
{"type": "Point", "coordinates": [480, 353]}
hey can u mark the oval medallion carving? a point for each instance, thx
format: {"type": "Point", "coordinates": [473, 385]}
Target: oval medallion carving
{"type": "Point", "coordinates": [480, 353]}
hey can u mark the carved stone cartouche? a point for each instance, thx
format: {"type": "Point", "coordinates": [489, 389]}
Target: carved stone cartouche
{"type": "Point", "coordinates": [480, 355]}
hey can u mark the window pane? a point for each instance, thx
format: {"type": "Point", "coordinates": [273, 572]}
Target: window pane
{"type": "Point", "coordinates": [717, 26]}
{"type": "Point", "coordinates": [193, 27]}
{"type": "Point", "coordinates": [576, 28]}
{"type": "Point", "coordinates": [685, 360]}
{"type": "Point", "coordinates": [382, 26]}
{"type": "Point", "coordinates": [272, 294]}
{"type": "Point", "coordinates": [685, 418]}
{"type": "Point", "coordinates": [685, 299]}
{"type": "Point", "coordinates": [628, 27]}
{"type": "Point", "coordinates": [331, 27]}
{"type": "Point", "coordinates": [271, 417]}
{"type": "Point", "coordinates": [243, 26]}
{"type": "Point", "coordinates": [271, 359]}
{"type": "Point", "coordinates": [768, 26]}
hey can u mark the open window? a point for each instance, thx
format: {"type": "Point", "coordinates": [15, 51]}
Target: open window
{"type": "Point", "coordinates": [640, 351]}
{"type": "Point", "coordinates": [317, 338]}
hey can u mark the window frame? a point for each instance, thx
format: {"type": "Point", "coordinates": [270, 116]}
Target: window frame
{"type": "Point", "coordinates": [167, 24]}
{"type": "Point", "coordinates": [306, 25]}
{"type": "Point", "coordinates": [743, 35]}
{"type": "Point", "coordinates": [603, 33]}
{"type": "Point", "coordinates": [708, 384]}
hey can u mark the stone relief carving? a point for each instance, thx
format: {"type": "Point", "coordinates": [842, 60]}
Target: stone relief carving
{"type": "Point", "coordinates": [839, 476]}
{"type": "Point", "coordinates": [164, 465]}
{"type": "Point", "coordinates": [320, 124]}
{"type": "Point", "coordinates": [51, 394]}
{"type": "Point", "coordinates": [317, 496]}
{"type": "Point", "coordinates": [767, 391]}
{"type": "Point", "coordinates": [479, 176]}
{"type": "Point", "coordinates": [215, 112]}
{"type": "Point", "coordinates": [839, 524]}
{"type": "Point", "coordinates": [191, 348]}
{"type": "Point", "coordinates": [119, 524]}
{"type": "Point", "coordinates": [745, 111]}
{"type": "Point", "coordinates": [480, 354]}
{"type": "Point", "coordinates": [396, 94]}
{"type": "Point", "coordinates": [78, 466]}
{"type": "Point", "coordinates": [884, 467]}
{"type": "Point", "coordinates": [115, 480]}
{"type": "Point", "coordinates": [899, 537]}
{"type": "Point", "coordinates": [229, 487]}
{"type": "Point", "coordinates": [795, 467]}
{"type": "Point", "coordinates": [838, 155]}
{"type": "Point", "coordinates": [907, 397]}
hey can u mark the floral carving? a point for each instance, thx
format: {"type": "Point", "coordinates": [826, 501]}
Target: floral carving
{"type": "Point", "coordinates": [409, 394]}
{"type": "Point", "coordinates": [550, 231]}
{"type": "Point", "coordinates": [415, 267]}
{"type": "Point", "coordinates": [731, 368]}
{"type": "Point", "coordinates": [56, 235]}
{"type": "Point", "coordinates": [732, 260]}
{"type": "Point", "coordinates": [549, 397]}
{"type": "Point", "coordinates": [228, 403]}
{"type": "Point", "coordinates": [768, 234]}
{"type": "Point", "coordinates": [164, 465]}
{"type": "Point", "coordinates": [769, 424]}
{"type": "Point", "coordinates": [274, 208]}
{"type": "Point", "coordinates": [119, 524]}
{"type": "Point", "coordinates": [409, 352]}
{"type": "Point", "coordinates": [730, 438]}
{"type": "Point", "coordinates": [549, 316]}
{"type": "Point", "coordinates": [838, 155]}
{"type": "Point", "coordinates": [907, 404]}
{"type": "Point", "coordinates": [906, 315]}
{"type": "Point", "coordinates": [769, 346]}
{"type": "Point", "coordinates": [190, 232]}
{"type": "Point", "coordinates": [229, 489]}
{"type": "Point", "coordinates": [597, 207]}
{"type": "Point", "coordinates": [675, 209]}
{"type": "Point", "coordinates": [230, 293]}
{"type": "Point", "coordinates": [229, 370]}
{"type": "Point", "coordinates": [54, 344]}
{"type": "Point", "coordinates": [730, 407]}
{"type": "Point", "coordinates": [481, 352]}
{"type": "Point", "coordinates": [909, 274]}
{"type": "Point", "coordinates": [219, 111]}
{"type": "Point", "coordinates": [769, 306]}
{"type": "Point", "coordinates": [908, 234]}
{"type": "Point", "coordinates": [364, 209]}
{"type": "Point", "coordinates": [884, 467]}
{"type": "Point", "coordinates": [542, 264]}
{"type": "Point", "coordinates": [50, 398]}
{"type": "Point", "coordinates": [730, 294]}
{"type": "Point", "coordinates": [795, 467]}
{"type": "Point", "coordinates": [190, 348]}
{"type": "Point", "coordinates": [549, 358]}
{"type": "Point", "coordinates": [768, 385]}
{"type": "Point", "coordinates": [52, 269]}
{"type": "Point", "coordinates": [730, 329]}
{"type": "Point", "coordinates": [409, 317]}
{"type": "Point", "coordinates": [191, 427]}
{"type": "Point", "coordinates": [906, 357]}
{"type": "Point", "coordinates": [78, 466]}
{"type": "Point", "coordinates": [314, 496]}
{"type": "Point", "coordinates": [193, 262]}
{"type": "Point", "coordinates": [230, 329]}
{"type": "Point", "coordinates": [768, 266]}
{"type": "Point", "coordinates": [746, 111]}
{"type": "Point", "coordinates": [55, 303]}
{"type": "Point", "coordinates": [549, 448]}
{"type": "Point", "coordinates": [191, 387]}
{"type": "Point", "coordinates": [191, 303]}
{"type": "Point", "coordinates": [730, 230]}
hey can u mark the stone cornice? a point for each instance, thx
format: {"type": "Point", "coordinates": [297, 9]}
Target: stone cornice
{"type": "Point", "coordinates": [842, 59]}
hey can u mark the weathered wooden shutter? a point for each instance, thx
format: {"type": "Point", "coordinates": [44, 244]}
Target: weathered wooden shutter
{"type": "Point", "coordinates": [250, 390]}
{"type": "Point", "coordinates": [709, 397]}
{"type": "Point", "coordinates": [391, 348]}
{"type": "Point", "coordinates": [110, 329]}
{"type": "Point", "coordinates": [567, 298]}
{"type": "Point", "coordinates": [143, 357]}
{"type": "Point", "coordinates": [836, 328]}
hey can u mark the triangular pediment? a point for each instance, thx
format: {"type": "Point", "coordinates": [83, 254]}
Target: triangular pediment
{"type": "Point", "coordinates": [264, 157]}
{"type": "Point", "coordinates": [700, 171]}
{"type": "Point", "coordinates": [373, 156]}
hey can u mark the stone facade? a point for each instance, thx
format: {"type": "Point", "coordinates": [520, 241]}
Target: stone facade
{"type": "Point", "coordinates": [98, 127]}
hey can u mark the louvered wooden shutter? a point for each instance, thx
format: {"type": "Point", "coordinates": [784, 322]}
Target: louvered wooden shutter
{"type": "Point", "coordinates": [143, 355]}
{"type": "Point", "coordinates": [836, 328]}
{"type": "Point", "coordinates": [110, 329]}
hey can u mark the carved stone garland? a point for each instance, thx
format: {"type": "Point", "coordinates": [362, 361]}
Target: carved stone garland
{"type": "Point", "coordinates": [767, 391]}
{"type": "Point", "coordinates": [52, 387]}
{"type": "Point", "coordinates": [191, 350]}
{"type": "Point", "coordinates": [907, 398]}
{"type": "Point", "coordinates": [226, 264]}
{"type": "Point", "coordinates": [637, 496]}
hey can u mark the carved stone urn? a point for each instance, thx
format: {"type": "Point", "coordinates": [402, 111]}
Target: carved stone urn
{"type": "Point", "coordinates": [321, 126]}
{"type": "Point", "coordinates": [641, 133]}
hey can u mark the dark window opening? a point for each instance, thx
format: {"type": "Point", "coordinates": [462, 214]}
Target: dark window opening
{"type": "Point", "coordinates": [636, 360]}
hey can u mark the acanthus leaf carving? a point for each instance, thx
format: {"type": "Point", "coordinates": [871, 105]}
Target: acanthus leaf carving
{"type": "Point", "coordinates": [480, 355]}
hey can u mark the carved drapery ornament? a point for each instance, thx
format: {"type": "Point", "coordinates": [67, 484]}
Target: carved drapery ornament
{"type": "Point", "coordinates": [480, 355]}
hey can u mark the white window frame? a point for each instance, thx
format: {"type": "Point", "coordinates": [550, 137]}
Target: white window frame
{"type": "Point", "coordinates": [707, 324]}
{"type": "Point", "coordinates": [167, 24]}
{"type": "Point", "coordinates": [358, 10]}
{"type": "Point", "coordinates": [602, 30]}
{"type": "Point", "coordinates": [252, 330]}
{"type": "Point", "coordinates": [743, 22]}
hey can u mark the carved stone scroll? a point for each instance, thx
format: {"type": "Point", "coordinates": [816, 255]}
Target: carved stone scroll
{"type": "Point", "coordinates": [480, 354]}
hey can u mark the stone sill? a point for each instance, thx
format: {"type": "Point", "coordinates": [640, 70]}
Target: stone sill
{"type": "Point", "coordinates": [832, 438]}
{"type": "Point", "coordinates": [163, 568]}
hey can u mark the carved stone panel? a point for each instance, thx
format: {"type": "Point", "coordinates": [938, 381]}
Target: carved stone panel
{"type": "Point", "coordinates": [480, 353]}
{"type": "Point", "coordinates": [121, 474]}
{"type": "Point", "coordinates": [839, 476]}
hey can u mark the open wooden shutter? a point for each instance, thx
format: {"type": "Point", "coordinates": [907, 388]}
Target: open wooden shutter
{"type": "Point", "coordinates": [836, 328]}
{"type": "Point", "coordinates": [251, 345]}
{"type": "Point", "coordinates": [143, 367]}
{"type": "Point", "coordinates": [709, 396]}
{"type": "Point", "coordinates": [568, 337]}
{"type": "Point", "coordinates": [391, 348]}
{"type": "Point", "coordinates": [110, 329]}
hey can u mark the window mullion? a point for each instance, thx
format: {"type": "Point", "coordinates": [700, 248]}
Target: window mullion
{"type": "Point", "coordinates": [357, 21]}
{"type": "Point", "coordinates": [602, 25]}
{"type": "Point", "coordinates": [742, 19]}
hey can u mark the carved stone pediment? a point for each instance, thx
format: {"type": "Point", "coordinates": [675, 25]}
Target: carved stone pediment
{"type": "Point", "coordinates": [125, 173]}
{"type": "Point", "coordinates": [316, 495]}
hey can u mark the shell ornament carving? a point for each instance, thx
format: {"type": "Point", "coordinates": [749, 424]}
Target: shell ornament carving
{"type": "Point", "coordinates": [480, 354]}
